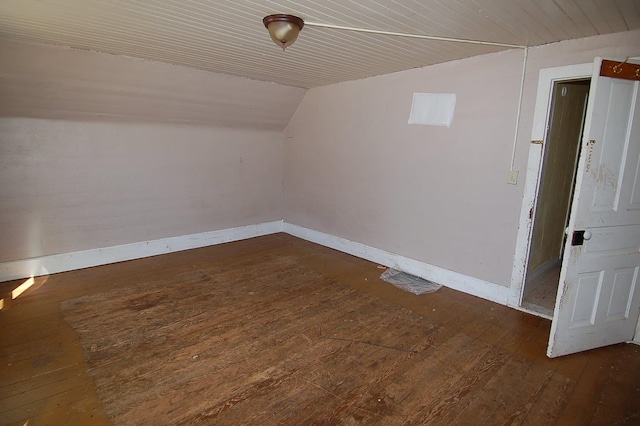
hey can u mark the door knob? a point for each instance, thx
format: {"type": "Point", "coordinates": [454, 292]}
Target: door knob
{"type": "Point", "coordinates": [579, 237]}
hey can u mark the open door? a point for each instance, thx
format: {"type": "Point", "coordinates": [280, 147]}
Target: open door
{"type": "Point", "coordinates": [598, 300]}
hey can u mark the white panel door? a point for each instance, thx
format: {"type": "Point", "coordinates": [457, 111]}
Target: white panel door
{"type": "Point", "coordinates": [598, 301]}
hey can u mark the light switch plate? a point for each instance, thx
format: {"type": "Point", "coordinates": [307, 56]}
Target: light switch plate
{"type": "Point", "coordinates": [512, 179]}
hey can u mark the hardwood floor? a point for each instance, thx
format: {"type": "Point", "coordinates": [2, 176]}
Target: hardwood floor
{"type": "Point", "coordinates": [276, 330]}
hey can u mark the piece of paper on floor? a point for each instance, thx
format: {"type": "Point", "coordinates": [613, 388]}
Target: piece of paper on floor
{"type": "Point", "coordinates": [408, 282]}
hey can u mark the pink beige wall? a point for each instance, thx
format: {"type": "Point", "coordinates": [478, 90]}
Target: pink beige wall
{"type": "Point", "coordinates": [354, 168]}
{"type": "Point", "coordinates": [67, 186]}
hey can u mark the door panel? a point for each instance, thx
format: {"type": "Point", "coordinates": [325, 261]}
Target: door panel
{"type": "Point", "coordinates": [624, 283]}
{"type": "Point", "coordinates": [614, 144]}
{"type": "Point", "coordinates": [614, 240]}
{"type": "Point", "coordinates": [598, 300]}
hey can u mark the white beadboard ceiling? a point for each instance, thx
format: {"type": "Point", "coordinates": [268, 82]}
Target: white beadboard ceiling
{"type": "Point", "coordinates": [229, 37]}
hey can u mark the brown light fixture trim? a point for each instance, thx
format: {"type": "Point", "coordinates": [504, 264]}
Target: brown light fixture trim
{"type": "Point", "coordinates": [281, 17]}
{"type": "Point", "coordinates": [283, 28]}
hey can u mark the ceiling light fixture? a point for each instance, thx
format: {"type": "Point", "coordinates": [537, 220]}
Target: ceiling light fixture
{"type": "Point", "coordinates": [283, 29]}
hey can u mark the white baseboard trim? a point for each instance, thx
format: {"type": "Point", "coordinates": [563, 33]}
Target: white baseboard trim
{"type": "Point", "coordinates": [451, 279]}
{"type": "Point", "coordinates": [636, 338]}
{"type": "Point", "coordinates": [101, 256]}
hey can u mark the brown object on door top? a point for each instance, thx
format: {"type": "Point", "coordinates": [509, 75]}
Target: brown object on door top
{"type": "Point", "coordinates": [623, 70]}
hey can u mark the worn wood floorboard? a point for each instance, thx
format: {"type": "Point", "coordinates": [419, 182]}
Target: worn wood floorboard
{"type": "Point", "coordinates": [276, 330]}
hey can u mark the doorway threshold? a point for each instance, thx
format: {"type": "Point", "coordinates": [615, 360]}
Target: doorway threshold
{"type": "Point", "coordinates": [537, 310]}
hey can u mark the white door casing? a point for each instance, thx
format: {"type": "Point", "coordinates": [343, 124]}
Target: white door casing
{"type": "Point", "coordinates": [598, 301]}
{"type": "Point", "coordinates": [546, 80]}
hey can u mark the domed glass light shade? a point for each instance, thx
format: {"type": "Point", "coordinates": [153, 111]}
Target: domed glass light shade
{"type": "Point", "coordinates": [283, 29]}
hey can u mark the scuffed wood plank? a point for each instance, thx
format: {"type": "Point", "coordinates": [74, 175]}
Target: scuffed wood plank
{"type": "Point", "coordinates": [455, 396]}
{"type": "Point", "coordinates": [619, 403]}
{"type": "Point", "coordinates": [584, 400]}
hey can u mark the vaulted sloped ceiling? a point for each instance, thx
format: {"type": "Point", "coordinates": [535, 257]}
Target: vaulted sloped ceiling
{"type": "Point", "coordinates": [54, 82]}
{"type": "Point", "coordinates": [229, 37]}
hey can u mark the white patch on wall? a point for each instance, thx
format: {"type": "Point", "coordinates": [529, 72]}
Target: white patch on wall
{"type": "Point", "coordinates": [433, 109]}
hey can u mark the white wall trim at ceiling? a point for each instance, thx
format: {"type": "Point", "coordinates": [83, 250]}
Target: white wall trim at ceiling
{"type": "Point", "coordinates": [451, 279]}
{"type": "Point", "coordinates": [101, 256]}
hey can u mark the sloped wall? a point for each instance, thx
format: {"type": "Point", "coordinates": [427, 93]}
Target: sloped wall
{"type": "Point", "coordinates": [45, 81]}
{"type": "Point", "coordinates": [355, 169]}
